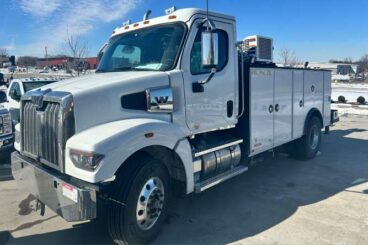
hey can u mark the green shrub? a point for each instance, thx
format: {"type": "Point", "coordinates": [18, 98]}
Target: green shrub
{"type": "Point", "coordinates": [341, 99]}
{"type": "Point", "coordinates": [361, 100]}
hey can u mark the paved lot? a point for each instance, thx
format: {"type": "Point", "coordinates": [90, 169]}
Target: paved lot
{"type": "Point", "coordinates": [279, 201]}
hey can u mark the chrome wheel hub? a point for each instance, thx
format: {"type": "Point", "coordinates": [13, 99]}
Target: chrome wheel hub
{"type": "Point", "coordinates": [150, 203]}
{"type": "Point", "coordinates": [314, 138]}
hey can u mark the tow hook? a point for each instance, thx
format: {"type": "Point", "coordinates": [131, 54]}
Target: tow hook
{"type": "Point", "coordinates": [40, 206]}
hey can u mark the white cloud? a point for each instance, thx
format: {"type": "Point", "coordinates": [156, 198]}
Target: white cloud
{"type": "Point", "coordinates": [39, 8]}
{"type": "Point", "coordinates": [78, 17]}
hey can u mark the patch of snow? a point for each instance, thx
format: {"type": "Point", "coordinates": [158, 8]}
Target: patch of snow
{"type": "Point", "coordinates": [346, 109]}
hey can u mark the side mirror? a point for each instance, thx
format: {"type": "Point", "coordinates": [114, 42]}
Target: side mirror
{"type": "Point", "coordinates": [3, 97]}
{"type": "Point", "coordinates": [210, 49]}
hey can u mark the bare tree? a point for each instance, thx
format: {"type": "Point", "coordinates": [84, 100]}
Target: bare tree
{"type": "Point", "coordinates": [4, 52]}
{"type": "Point", "coordinates": [348, 60]}
{"type": "Point", "coordinates": [288, 58]}
{"type": "Point", "coordinates": [27, 61]}
{"type": "Point", "coordinates": [78, 50]}
{"type": "Point", "coordinates": [363, 64]}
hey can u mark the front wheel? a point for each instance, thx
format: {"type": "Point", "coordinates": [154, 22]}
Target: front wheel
{"type": "Point", "coordinates": [139, 209]}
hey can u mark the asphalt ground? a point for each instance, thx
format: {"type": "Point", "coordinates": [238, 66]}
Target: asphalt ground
{"type": "Point", "coordinates": [278, 201]}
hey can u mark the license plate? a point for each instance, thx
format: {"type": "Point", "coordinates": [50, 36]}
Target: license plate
{"type": "Point", "coordinates": [69, 192]}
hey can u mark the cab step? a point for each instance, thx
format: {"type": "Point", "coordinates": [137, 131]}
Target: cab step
{"type": "Point", "coordinates": [208, 183]}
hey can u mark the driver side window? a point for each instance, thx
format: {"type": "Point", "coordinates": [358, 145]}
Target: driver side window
{"type": "Point", "coordinates": [196, 52]}
{"type": "Point", "coordinates": [15, 91]}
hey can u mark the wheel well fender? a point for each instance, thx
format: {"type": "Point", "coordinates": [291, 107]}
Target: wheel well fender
{"type": "Point", "coordinates": [168, 157]}
{"type": "Point", "coordinates": [314, 112]}
{"type": "Point", "coordinates": [118, 141]}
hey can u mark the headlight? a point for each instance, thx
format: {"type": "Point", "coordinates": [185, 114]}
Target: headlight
{"type": "Point", "coordinates": [85, 160]}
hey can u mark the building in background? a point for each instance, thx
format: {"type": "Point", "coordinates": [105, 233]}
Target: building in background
{"type": "Point", "coordinates": [339, 71]}
{"type": "Point", "coordinates": [62, 62]}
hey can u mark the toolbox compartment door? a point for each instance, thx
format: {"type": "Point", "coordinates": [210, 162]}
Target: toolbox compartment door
{"type": "Point", "coordinates": [261, 117]}
{"type": "Point", "coordinates": [283, 91]}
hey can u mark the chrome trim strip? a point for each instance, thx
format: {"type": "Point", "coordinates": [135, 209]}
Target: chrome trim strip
{"type": "Point", "coordinates": [202, 186]}
{"type": "Point", "coordinates": [201, 153]}
{"type": "Point", "coordinates": [46, 131]}
{"type": "Point", "coordinates": [160, 100]}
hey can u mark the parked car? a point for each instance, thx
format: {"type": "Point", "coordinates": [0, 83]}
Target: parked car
{"type": "Point", "coordinates": [6, 134]}
{"type": "Point", "coordinates": [17, 88]}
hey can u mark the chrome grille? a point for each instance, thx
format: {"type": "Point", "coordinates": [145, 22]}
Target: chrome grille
{"type": "Point", "coordinates": [45, 128]}
{"type": "Point", "coordinates": [40, 132]}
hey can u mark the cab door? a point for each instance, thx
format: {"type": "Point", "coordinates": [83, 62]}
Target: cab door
{"type": "Point", "coordinates": [217, 105]}
{"type": "Point", "coordinates": [14, 94]}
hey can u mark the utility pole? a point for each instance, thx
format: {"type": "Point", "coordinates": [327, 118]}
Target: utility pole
{"type": "Point", "coordinates": [47, 59]}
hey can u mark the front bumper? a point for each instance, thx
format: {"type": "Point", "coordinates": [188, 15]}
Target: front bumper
{"type": "Point", "coordinates": [72, 202]}
{"type": "Point", "coordinates": [6, 144]}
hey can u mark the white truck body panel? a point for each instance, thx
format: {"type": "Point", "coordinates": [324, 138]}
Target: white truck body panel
{"type": "Point", "coordinates": [327, 98]}
{"type": "Point", "coordinates": [313, 90]}
{"type": "Point", "coordinates": [260, 99]}
{"type": "Point", "coordinates": [298, 109]}
{"type": "Point", "coordinates": [282, 115]}
{"type": "Point", "coordinates": [286, 88]}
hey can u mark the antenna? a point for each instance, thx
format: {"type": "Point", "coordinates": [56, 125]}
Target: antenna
{"type": "Point", "coordinates": [207, 15]}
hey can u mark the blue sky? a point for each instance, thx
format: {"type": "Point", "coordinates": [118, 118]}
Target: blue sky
{"type": "Point", "coordinates": [316, 30]}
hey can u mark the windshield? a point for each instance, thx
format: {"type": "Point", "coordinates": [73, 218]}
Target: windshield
{"type": "Point", "coordinates": [33, 85]}
{"type": "Point", "coordinates": [153, 48]}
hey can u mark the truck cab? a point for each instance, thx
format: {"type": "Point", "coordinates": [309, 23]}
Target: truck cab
{"type": "Point", "coordinates": [17, 88]}
{"type": "Point", "coordinates": [175, 105]}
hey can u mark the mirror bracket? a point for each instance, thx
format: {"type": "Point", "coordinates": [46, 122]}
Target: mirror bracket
{"type": "Point", "coordinates": [211, 26]}
{"type": "Point", "coordinates": [209, 78]}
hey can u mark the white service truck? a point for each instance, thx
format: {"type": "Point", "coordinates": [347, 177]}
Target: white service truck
{"type": "Point", "coordinates": [176, 104]}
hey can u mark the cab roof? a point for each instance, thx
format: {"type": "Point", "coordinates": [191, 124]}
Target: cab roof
{"type": "Point", "coordinates": [35, 79]}
{"type": "Point", "coordinates": [183, 15]}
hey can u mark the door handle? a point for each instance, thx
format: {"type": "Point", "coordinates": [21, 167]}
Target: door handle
{"type": "Point", "coordinates": [270, 108]}
{"type": "Point", "coordinates": [277, 107]}
{"type": "Point", "coordinates": [301, 103]}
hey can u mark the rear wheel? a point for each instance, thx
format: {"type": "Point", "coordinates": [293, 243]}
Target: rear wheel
{"type": "Point", "coordinates": [308, 146]}
{"type": "Point", "coordinates": [141, 196]}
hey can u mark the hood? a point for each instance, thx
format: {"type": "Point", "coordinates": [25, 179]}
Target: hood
{"type": "Point", "coordinates": [97, 97]}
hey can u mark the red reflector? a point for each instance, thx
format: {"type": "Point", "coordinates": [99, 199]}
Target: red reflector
{"type": "Point", "coordinates": [126, 28]}
{"type": "Point", "coordinates": [149, 135]}
{"type": "Point", "coordinates": [146, 22]}
{"type": "Point", "coordinates": [70, 188]}
{"type": "Point", "coordinates": [172, 17]}
{"type": "Point", "coordinates": [135, 25]}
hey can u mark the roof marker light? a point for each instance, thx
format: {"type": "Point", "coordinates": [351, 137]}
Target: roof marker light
{"type": "Point", "coordinates": [126, 27]}
{"type": "Point", "coordinates": [171, 17]}
{"type": "Point", "coordinates": [146, 22]}
{"type": "Point", "coordinates": [135, 25]}
{"type": "Point", "coordinates": [126, 23]}
{"type": "Point", "coordinates": [170, 10]}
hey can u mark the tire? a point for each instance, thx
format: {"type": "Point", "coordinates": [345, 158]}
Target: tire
{"type": "Point", "coordinates": [134, 217]}
{"type": "Point", "coordinates": [307, 147]}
